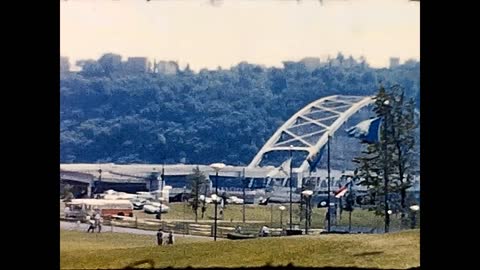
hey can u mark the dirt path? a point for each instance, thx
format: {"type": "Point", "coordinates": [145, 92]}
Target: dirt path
{"type": "Point", "coordinates": [83, 227]}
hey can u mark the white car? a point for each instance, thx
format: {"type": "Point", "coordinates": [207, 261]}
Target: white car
{"type": "Point", "coordinates": [207, 200]}
{"type": "Point", "coordinates": [154, 208]}
{"type": "Point", "coordinates": [138, 204]}
{"type": "Point", "coordinates": [234, 200]}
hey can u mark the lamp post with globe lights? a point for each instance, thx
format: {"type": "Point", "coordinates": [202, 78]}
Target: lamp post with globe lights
{"type": "Point", "coordinates": [415, 209]}
{"type": "Point", "coordinates": [291, 187]}
{"type": "Point", "coordinates": [385, 170]}
{"type": "Point", "coordinates": [307, 193]}
{"type": "Point", "coordinates": [282, 208]}
{"type": "Point", "coordinates": [216, 167]}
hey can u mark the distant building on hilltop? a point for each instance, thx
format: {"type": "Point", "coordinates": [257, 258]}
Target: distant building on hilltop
{"type": "Point", "coordinates": [84, 62]}
{"type": "Point", "coordinates": [136, 65]}
{"type": "Point", "coordinates": [111, 62]}
{"type": "Point", "coordinates": [311, 63]}
{"type": "Point", "coordinates": [166, 67]}
{"type": "Point", "coordinates": [394, 62]}
{"type": "Point", "coordinates": [410, 62]}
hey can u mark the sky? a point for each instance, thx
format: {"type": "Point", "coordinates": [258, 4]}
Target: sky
{"type": "Point", "coordinates": [263, 32]}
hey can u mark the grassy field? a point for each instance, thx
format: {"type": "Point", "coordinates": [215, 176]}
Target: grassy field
{"type": "Point", "coordinates": [74, 240]}
{"type": "Point", "coordinates": [79, 250]}
{"type": "Point", "coordinates": [267, 213]}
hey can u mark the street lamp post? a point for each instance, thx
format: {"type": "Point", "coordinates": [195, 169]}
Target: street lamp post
{"type": "Point", "coordinates": [282, 208]}
{"type": "Point", "coordinates": [329, 214]}
{"type": "Point", "coordinates": [217, 167]}
{"type": "Point", "coordinates": [161, 178]}
{"type": "Point", "coordinates": [385, 170]}
{"type": "Point", "coordinates": [244, 183]}
{"type": "Point", "coordinates": [350, 202]}
{"type": "Point", "coordinates": [184, 201]}
{"type": "Point", "coordinates": [306, 194]}
{"type": "Point", "coordinates": [150, 180]}
{"type": "Point", "coordinates": [271, 215]}
{"type": "Point", "coordinates": [291, 186]}
{"type": "Point", "coordinates": [414, 209]}
{"type": "Point", "coordinates": [95, 188]}
{"type": "Point", "coordinates": [215, 202]}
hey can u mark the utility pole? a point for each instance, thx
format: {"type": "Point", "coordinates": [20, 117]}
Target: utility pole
{"type": "Point", "coordinates": [328, 189]}
{"type": "Point", "coordinates": [291, 186]}
{"type": "Point", "coordinates": [161, 190]}
{"type": "Point", "coordinates": [244, 182]}
{"type": "Point", "coordinates": [385, 169]}
{"type": "Point", "coordinates": [215, 202]}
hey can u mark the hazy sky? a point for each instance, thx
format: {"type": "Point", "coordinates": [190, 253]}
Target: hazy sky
{"type": "Point", "coordinates": [262, 32]}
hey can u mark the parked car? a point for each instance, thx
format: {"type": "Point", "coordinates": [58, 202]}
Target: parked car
{"type": "Point", "coordinates": [154, 208]}
{"type": "Point", "coordinates": [234, 200]}
{"type": "Point", "coordinates": [138, 204]}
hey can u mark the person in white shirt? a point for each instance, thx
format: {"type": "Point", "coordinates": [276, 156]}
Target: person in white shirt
{"type": "Point", "coordinates": [160, 237]}
{"type": "Point", "coordinates": [92, 226]}
{"type": "Point", "coordinates": [66, 210]}
{"type": "Point", "coordinates": [98, 222]}
{"type": "Point", "coordinates": [265, 231]}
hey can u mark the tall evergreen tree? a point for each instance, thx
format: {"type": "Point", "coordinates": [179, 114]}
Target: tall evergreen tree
{"type": "Point", "coordinates": [387, 166]}
{"type": "Point", "coordinates": [403, 140]}
{"type": "Point", "coordinates": [196, 182]}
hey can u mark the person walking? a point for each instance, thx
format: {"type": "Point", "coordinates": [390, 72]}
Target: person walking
{"type": "Point", "coordinates": [98, 222]}
{"type": "Point", "coordinates": [170, 238]}
{"type": "Point", "coordinates": [264, 231]}
{"type": "Point", "coordinates": [160, 237]}
{"type": "Point", "coordinates": [92, 226]}
{"type": "Point", "coordinates": [66, 210]}
{"type": "Point", "coordinates": [327, 214]}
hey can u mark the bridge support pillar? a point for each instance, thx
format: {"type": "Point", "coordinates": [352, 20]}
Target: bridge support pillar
{"type": "Point", "coordinates": [299, 180]}
{"type": "Point", "coordinates": [89, 190]}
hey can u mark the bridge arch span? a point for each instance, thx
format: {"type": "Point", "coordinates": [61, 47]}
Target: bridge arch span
{"type": "Point", "coordinates": [309, 128]}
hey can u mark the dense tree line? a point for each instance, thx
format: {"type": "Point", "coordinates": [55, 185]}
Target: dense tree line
{"type": "Point", "coordinates": [223, 115]}
{"type": "Point", "coordinates": [387, 166]}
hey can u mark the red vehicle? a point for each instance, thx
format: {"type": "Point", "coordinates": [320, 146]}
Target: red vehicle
{"type": "Point", "coordinates": [81, 208]}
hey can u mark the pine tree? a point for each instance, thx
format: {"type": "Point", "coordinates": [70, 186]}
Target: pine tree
{"type": "Point", "coordinates": [196, 182]}
{"type": "Point", "coordinates": [370, 175]}
{"type": "Point", "coordinates": [386, 167]}
{"type": "Point", "coordinates": [403, 140]}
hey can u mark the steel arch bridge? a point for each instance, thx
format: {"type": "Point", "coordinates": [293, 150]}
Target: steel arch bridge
{"type": "Point", "coordinates": [308, 129]}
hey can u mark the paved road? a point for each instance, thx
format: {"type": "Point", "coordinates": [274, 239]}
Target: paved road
{"type": "Point", "coordinates": [83, 227]}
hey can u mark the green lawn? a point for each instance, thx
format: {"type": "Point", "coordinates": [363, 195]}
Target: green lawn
{"type": "Point", "coordinates": [74, 240]}
{"type": "Point", "coordinates": [264, 213]}
{"type": "Point", "coordinates": [80, 250]}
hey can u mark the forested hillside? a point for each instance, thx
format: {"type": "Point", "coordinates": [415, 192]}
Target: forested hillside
{"type": "Point", "coordinates": [222, 115]}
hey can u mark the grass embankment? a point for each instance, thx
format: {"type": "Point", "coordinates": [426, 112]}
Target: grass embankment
{"type": "Point", "coordinates": [80, 250]}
